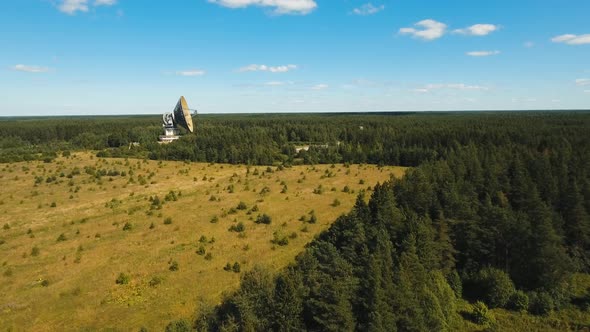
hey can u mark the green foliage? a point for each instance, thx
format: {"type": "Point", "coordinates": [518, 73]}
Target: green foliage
{"type": "Point", "coordinates": [263, 219]}
{"type": "Point", "coordinates": [35, 251]}
{"type": "Point", "coordinates": [540, 303]}
{"type": "Point", "coordinates": [239, 227]}
{"type": "Point", "coordinates": [242, 206]}
{"type": "Point", "coordinates": [481, 314]}
{"type": "Point", "coordinates": [128, 226]}
{"type": "Point", "coordinates": [492, 286]}
{"type": "Point", "coordinates": [168, 221]}
{"type": "Point", "coordinates": [62, 237]}
{"type": "Point", "coordinates": [173, 266]}
{"type": "Point", "coordinates": [155, 281]}
{"type": "Point", "coordinates": [178, 326]}
{"type": "Point", "coordinates": [123, 279]}
{"type": "Point", "coordinates": [519, 301]}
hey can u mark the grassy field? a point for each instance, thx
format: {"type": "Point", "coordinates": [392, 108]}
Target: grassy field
{"type": "Point", "coordinates": [71, 227]}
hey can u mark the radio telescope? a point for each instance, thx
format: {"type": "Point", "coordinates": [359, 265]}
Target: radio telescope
{"type": "Point", "coordinates": [181, 116]}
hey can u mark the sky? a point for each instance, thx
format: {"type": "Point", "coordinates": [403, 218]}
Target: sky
{"type": "Point", "coordinates": [95, 57]}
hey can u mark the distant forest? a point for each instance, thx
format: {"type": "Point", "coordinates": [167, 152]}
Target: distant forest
{"type": "Point", "coordinates": [495, 211]}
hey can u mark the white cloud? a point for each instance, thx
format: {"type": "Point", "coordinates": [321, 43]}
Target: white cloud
{"type": "Point", "coordinates": [277, 69]}
{"type": "Point", "coordinates": [450, 86]}
{"type": "Point", "coordinates": [427, 30]}
{"type": "Point", "coordinates": [70, 7]}
{"type": "Point", "coordinates": [529, 44]}
{"type": "Point", "coordinates": [478, 30]}
{"type": "Point", "coordinates": [482, 53]}
{"type": "Point", "coordinates": [279, 83]}
{"type": "Point", "coordinates": [30, 69]}
{"type": "Point", "coordinates": [583, 81]}
{"type": "Point", "coordinates": [104, 2]}
{"type": "Point", "coordinates": [279, 6]}
{"type": "Point", "coordinates": [191, 73]}
{"type": "Point", "coordinates": [320, 87]}
{"type": "Point", "coordinates": [570, 39]}
{"type": "Point", "coordinates": [368, 9]}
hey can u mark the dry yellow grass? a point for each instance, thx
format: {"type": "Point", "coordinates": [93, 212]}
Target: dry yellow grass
{"type": "Point", "coordinates": [80, 290]}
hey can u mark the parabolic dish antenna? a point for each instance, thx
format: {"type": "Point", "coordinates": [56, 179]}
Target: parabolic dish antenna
{"type": "Point", "coordinates": [181, 116]}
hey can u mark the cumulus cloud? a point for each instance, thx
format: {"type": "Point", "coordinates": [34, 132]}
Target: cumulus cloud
{"type": "Point", "coordinates": [426, 29]}
{"type": "Point", "coordinates": [482, 53]}
{"type": "Point", "coordinates": [30, 69]}
{"type": "Point", "coordinates": [191, 73]}
{"type": "Point", "coordinates": [271, 69]}
{"type": "Point", "coordinates": [279, 6]}
{"type": "Point", "coordinates": [570, 39]}
{"type": "Point", "coordinates": [583, 81]}
{"type": "Point", "coordinates": [450, 86]}
{"type": "Point", "coordinates": [70, 7]}
{"type": "Point", "coordinates": [478, 30]}
{"type": "Point", "coordinates": [320, 87]}
{"type": "Point", "coordinates": [368, 9]}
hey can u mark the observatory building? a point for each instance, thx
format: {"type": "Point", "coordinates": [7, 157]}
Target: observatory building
{"type": "Point", "coordinates": [180, 116]}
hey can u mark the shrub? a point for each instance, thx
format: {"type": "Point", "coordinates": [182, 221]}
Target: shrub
{"type": "Point", "coordinates": [280, 239]}
{"type": "Point", "coordinates": [214, 220]}
{"type": "Point", "coordinates": [127, 226]}
{"type": "Point", "coordinates": [227, 266]}
{"type": "Point", "coordinates": [62, 237]}
{"type": "Point", "coordinates": [236, 267]}
{"type": "Point", "coordinates": [336, 202]}
{"type": "Point", "coordinates": [168, 221]}
{"type": "Point", "coordinates": [455, 282]}
{"type": "Point", "coordinates": [6, 226]}
{"type": "Point", "coordinates": [242, 206]}
{"type": "Point", "coordinates": [208, 256]}
{"type": "Point", "coordinates": [203, 239]}
{"type": "Point", "coordinates": [493, 286]}
{"type": "Point", "coordinates": [173, 266]}
{"type": "Point", "coordinates": [263, 219]}
{"type": "Point", "coordinates": [239, 227]}
{"type": "Point", "coordinates": [480, 314]}
{"type": "Point", "coordinates": [155, 281]}
{"type": "Point", "coordinates": [201, 251]}
{"type": "Point", "coordinates": [519, 301]}
{"type": "Point", "coordinates": [178, 326]}
{"type": "Point", "coordinates": [35, 251]}
{"type": "Point", "coordinates": [540, 303]}
{"type": "Point", "coordinates": [45, 283]}
{"type": "Point", "coordinates": [123, 279]}
{"type": "Point", "coordinates": [312, 218]}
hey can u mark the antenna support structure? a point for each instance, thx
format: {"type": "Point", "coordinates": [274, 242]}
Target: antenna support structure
{"type": "Point", "coordinates": [181, 116]}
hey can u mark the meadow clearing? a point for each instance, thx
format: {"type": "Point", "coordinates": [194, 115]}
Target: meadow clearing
{"type": "Point", "coordinates": [92, 243]}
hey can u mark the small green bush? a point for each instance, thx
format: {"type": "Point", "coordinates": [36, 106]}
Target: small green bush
{"type": "Point", "coordinates": [35, 251]}
{"type": "Point", "coordinates": [263, 219]}
{"type": "Point", "coordinates": [481, 315]}
{"type": "Point", "coordinates": [123, 279]}
{"type": "Point", "coordinates": [127, 226]}
{"type": "Point", "coordinates": [201, 251]}
{"type": "Point", "coordinates": [236, 267]}
{"type": "Point", "coordinates": [179, 326]}
{"type": "Point", "coordinates": [173, 266]}
{"type": "Point", "coordinates": [155, 281]}
{"type": "Point", "coordinates": [242, 206]}
{"type": "Point", "coordinates": [540, 303]}
{"type": "Point", "coordinates": [208, 256]}
{"type": "Point", "coordinates": [168, 221]}
{"type": "Point", "coordinates": [62, 237]}
{"type": "Point", "coordinates": [519, 301]}
{"type": "Point", "coordinates": [239, 227]}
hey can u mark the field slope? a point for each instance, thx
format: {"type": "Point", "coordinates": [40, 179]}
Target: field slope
{"type": "Point", "coordinates": [74, 227]}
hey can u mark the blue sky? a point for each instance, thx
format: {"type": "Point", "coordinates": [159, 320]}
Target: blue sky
{"type": "Point", "coordinates": [226, 56]}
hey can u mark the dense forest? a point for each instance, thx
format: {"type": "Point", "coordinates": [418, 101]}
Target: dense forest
{"type": "Point", "coordinates": [495, 211]}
